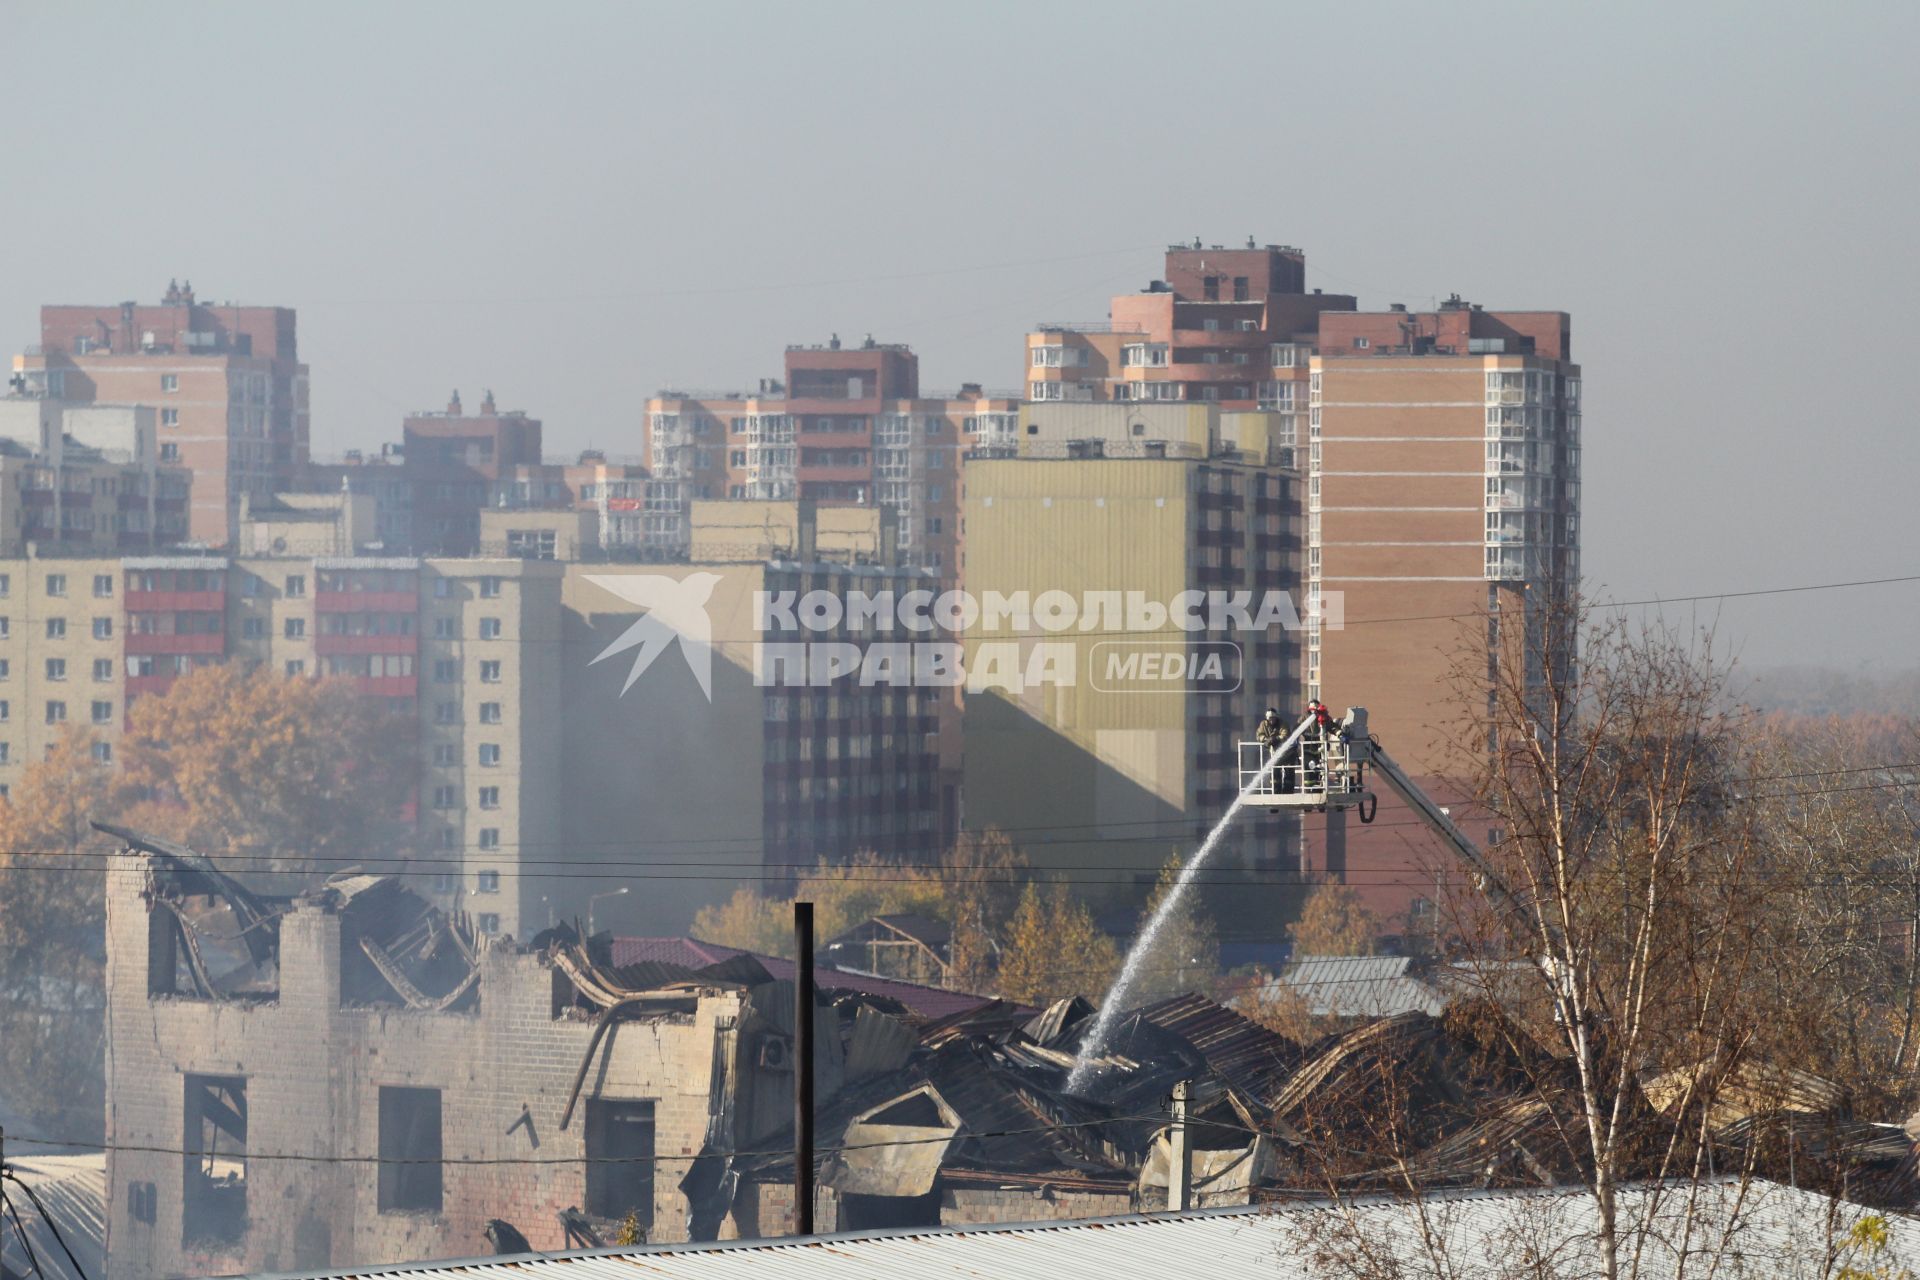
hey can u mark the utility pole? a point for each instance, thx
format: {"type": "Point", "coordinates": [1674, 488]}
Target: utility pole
{"type": "Point", "coordinates": [1180, 1154]}
{"type": "Point", "coordinates": [803, 1068]}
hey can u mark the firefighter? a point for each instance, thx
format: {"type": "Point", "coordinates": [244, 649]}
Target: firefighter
{"type": "Point", "coordinates": [1313, 748]}
{"type": "Point", "coordinates": [1271, 732]}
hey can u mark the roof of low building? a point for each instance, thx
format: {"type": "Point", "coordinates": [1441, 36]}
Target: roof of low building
{"type": "Point", "coordinates": [1357, 986]}
{"type": "Point", "coordinates": [1752, 1229]}
{"type": "Point", "coordinates": [926, 1002]}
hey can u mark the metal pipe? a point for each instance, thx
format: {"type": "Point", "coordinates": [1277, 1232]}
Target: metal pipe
{"type": "Point", "coordinates": [803, 1068]}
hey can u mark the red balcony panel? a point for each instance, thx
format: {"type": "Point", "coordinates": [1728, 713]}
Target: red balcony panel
{"type": "Point", "coordinates": [197, 643]}
{"type": "Point", "coordinates": [137, 685]}
{"type": "Point", "coordinates": [176, 601]}
{"type": "Point", "coordinates": [325, 644]}
{"type": "Point", "coordinates": [366, 602]}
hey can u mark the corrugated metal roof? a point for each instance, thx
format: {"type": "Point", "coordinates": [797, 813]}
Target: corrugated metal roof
{"type": "Point", "coordinates": [1358, 986]}
{"type": "Point", "coordinates": [1761, 1230]}
{"type": "Point", "coordinates": [74, 1191]}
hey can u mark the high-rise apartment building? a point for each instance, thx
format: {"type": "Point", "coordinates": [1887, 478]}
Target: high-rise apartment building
{"type": "Point", "coordinates": [1151, 519]}
{"type": "Point", "coordinates": [1232, 327]}
{"type": "Point", "coordinates": [86, 478]}
{"type": "Point", "coordinates": [847, 425]}
{"type": "Point", "coordinates": [1443, 475]}
{"type": "Point", "coordinates": [225, 382]}
{"type": "Point", "coordinates": [443, 489]}
{"type": "Point", "coordinates": [467, 651]}
{"type": "Point", "coordinates": [688, 748]}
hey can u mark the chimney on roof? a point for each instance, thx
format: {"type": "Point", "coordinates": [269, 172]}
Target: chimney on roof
{"type": "Point", "coordinates": [1251, 244]}
{"type": "Point", "coordinates": [186, 293]}
{"type": "Point", "coordinates": [173, 293]}
{"type": "Point", "coordinates": [453, 403]}
{"type": "Point", "coordinates": [486, 403]}
{"type": "Point", "coordinates": [833, 343]}
{"type": "Point", "coordinates": [869, 344]}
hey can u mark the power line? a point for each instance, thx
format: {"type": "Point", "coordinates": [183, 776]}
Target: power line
{"type": "Point", "coordinates": [310, 1158]}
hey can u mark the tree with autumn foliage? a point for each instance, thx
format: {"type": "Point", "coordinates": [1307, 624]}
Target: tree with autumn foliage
{"type": "Point", "coordinates": [1054, 949]}
{"type": "Point", "coordinates": [1334, 922]}
{"type": "Point", "coordinates": [273, 772]}
{"type": "Point", "coordinates": [52, 941]}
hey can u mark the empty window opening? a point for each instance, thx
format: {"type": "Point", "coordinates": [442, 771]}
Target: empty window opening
{"type": "Point", "coordinates": [409, 1150]}
{"type": "Point", "coordinates": [213, 1203]}
{"type": "Point", "coordinates": [620, 1160]}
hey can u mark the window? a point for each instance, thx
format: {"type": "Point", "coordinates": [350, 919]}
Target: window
{"type": "Point", "coordinates": [103, 628]}
{"type": "Point", "coordinates": [102, 669]}
{"type": "Point", "coordinates": [102, 585]}
{"type": "Point", "coordinates": [102, 711]}
{"type": "Point", "coordinates": [103, 753]}
{"type": "Point", "coordinates": [446, 628]}
{"type": "Point", "coordinates": [253, 628]}
{"type": "Point", "coordinates": [56, 668]}
{"type": "Point", "coordinates": [489, 797]}
{"type": "Point", "coordinates": [445, 671]}
{"type": "Point", "coordinates": [57, 584]}
{"type": "Point", "coordinates": [169, 452]}
{"type": "Point", "coordinates": [489, 713]}
{"type": "Point", "coordinates": [6, 710]}
{"type": "Point", "coordinates": [1361, 344]}
{"type": "Point", "coordinates": [169, 417]}
{"type": "Point", "coordinates": [490, 672]}
{"type": "Point", "coordinates": [409, 1150]}
{"type": "Point", "coordinates": [296, 585]}
{"type": "Point", "coordinates": [56, 713]}
{"type": "Point", "coordinates": [487, 881]}
{"type": "Point", "coordinates": [620, 1159]}
{"type": "Point", "coordinates": [6, 584]}
{"type": "Point", "coordinates": [489, 628]}
{"type": "Point", "coordinates": [489, 588]}
{"type": "Point", "coordinates": [489, 922]}
{"type": "Point", "coordinates": [213, 1201]}
{"type": "Point", "coordinates": [296, 667]}
{"type": "Point", "coordinates": [169, 382]}
{"type": "Point", "coordinates": [446, 713]}
{"type": "Point", "coordinates": [445, 754]}
{"type": "Point", "coordinates": [296, 628]}
{"type": "Point", "coordinates": [490, 839]}
{"type": "Point", "coordinates": [56, 628]}
{"type": "Point", "coordinates": [6, 668]}
{"type": "Point", "coordinates": [1240, 290]}
{"type": "Point", "coordinates": [446, 798]}
{"type": "Point", "coordinates": [489, 755]}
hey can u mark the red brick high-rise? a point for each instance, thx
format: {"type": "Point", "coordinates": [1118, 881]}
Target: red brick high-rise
{"type": "Point", "coordinates": [225, 381]}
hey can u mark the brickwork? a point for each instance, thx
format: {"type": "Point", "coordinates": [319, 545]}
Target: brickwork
{"type": "Point", "coordinates": [314, 1068]}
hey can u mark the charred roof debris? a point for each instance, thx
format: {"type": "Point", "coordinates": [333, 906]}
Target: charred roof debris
{"type": "Point", "coordinates": [574, 1089]}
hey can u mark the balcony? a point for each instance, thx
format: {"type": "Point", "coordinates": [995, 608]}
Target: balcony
{"type": "Point", "coordinates": [326, 645]}
{"type": "Point", "coordinates": [176, 601]}
{"type": "Point", "coordinates": [176, 643]}
{"type": "Point", "coordinates": [387, 686]}
{"type": "Point", "coordinates": [366, 602]}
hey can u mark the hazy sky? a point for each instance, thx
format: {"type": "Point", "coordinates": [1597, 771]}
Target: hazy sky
{"type": "Point", "coordinates": [574, 204]}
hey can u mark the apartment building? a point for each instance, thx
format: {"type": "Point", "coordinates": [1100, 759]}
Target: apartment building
{"type": "Point", "coordinates": [1225, 326]}
{"type": "Point", "coordinates": [435, 492]}
{"type": "Point", "coordinates": [690, 748]}
{"type": "Point", "coordinates": [467, 650]}
{"type": "Point", "coordinates": [844, 425]}
{"type": "Point", "coordinates": [1443, 477]}
{"type": "Point", "coordinates": [1132, 754]}
{"type": "Point", "coordinates": [225, 382]}
{"type": "Point", "coordinates": [86, 478]}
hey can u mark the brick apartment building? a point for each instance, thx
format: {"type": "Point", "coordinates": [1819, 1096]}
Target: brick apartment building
{"type": "Point", "coordinates": [845, 424]}
{"type": "Point", "coordinates": [225, 381]}
{"type": "Point", "coordinates": [455, 477]}
{"type": "Point", "coordinates": [1443, 476]}
{"type": "Point", "coordinates": [84, 478]}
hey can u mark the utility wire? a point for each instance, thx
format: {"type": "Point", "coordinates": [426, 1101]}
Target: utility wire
{"type": "Point", "coordinates": [304, 1158]}
{"type": "Point", "coordinates": [20, 1230]}
{"type": "Point", "coordinates": [51, 1224]}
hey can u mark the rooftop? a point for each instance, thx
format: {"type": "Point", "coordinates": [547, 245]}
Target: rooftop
{"type": "Point", "coordinates": [1757, 1229]}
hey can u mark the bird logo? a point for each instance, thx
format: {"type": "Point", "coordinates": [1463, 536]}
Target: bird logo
{"type": "Point", "coordinates": [676, 610]}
